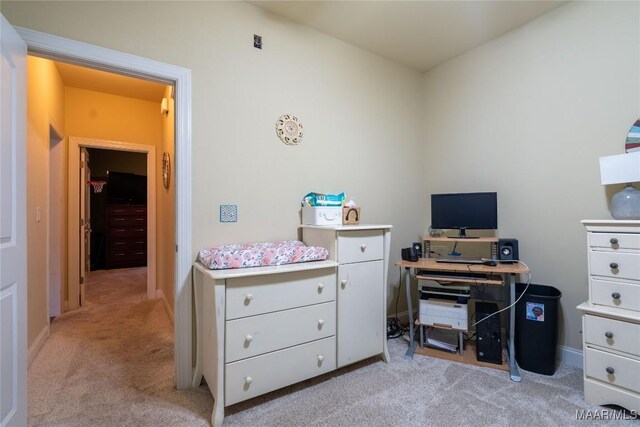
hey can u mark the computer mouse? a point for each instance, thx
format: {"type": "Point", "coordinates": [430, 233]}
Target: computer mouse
{"type": "Point", "coordinates": [489, 262]}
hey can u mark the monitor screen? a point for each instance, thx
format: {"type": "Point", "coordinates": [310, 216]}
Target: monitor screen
{"type": "Point", "coordinates": [463, 211]}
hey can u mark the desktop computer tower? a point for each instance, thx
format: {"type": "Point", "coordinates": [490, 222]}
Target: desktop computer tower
{"type": "Point", "coordinates": [488, 341]}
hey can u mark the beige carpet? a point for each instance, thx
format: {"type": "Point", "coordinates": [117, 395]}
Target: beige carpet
{"type": "Point", "coordinates": [111, 364]}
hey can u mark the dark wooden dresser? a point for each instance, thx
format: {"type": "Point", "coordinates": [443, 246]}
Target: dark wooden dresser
{"type": "Point", "coordinates": [126, 236]}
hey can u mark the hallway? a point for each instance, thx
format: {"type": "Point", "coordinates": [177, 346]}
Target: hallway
{"type": "Point", "coordinates": [111, 362]}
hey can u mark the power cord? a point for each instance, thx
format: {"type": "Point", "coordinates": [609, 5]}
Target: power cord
{"type": "Point", "coordinates": [514, 303]}
{"type": "Point", "coordinates": [395, 329]}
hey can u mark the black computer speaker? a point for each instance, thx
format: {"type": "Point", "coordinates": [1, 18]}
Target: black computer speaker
{"type": "Point", "coordinates": [508, 250]}
{"type": "Point", "coordinates": [417, 246]}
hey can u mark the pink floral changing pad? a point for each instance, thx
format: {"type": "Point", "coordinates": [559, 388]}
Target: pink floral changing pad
{"type": "Point", "coordinates": [261, 254]}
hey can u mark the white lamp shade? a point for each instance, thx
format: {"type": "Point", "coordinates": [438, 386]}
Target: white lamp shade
{"type": "Point", "coordinates": [621, 168]}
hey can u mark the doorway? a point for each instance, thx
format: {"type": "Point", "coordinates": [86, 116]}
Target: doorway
{"type": "Point", "coordinates": [53, 47]}
{"type": "Point", "coordinates": [76, 267]}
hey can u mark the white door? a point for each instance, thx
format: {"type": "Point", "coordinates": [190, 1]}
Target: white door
{"type": "Point", "coordinates": [85, 221]}
{"type": "Point", "coordinates": [13, 229]}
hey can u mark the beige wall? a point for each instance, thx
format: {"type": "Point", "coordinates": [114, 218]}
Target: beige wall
{"type": "Point", "coordinates": [528, 115]}
{"type": "Point", "coordinates": [166, 209]}
{"type": "Point", "coordinates": [45, 93]}
{"type": "Point", "coordinates": [361, 113]}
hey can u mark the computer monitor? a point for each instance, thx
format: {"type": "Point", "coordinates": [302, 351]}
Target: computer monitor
{"type": "Point", "coordinates": [463, 211]}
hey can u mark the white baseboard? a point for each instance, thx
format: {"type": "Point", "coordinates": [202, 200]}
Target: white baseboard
{"type": "Point", "coordinates": [35, 348]}
{"type": "Point", "coordinates": [571, 356]}
{"type": "Point", "coordinates": [167, 307]}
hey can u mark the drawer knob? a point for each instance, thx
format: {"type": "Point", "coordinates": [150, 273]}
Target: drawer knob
{"type": "Point", "coordinates": [343, 282]}
{"type": "Point", "coordinates": [248, 380]}
{"type": "Point", "coordinates": [320, 287]}
{"type": "Point", "coordinates": [363, 247]}
{"type": "Point", "coordinates": [248, 338]}
{"type": "Point", "coordinates": [320, 323]}
{"type": "Point", "coordinates": [320, 358]}
{"type": "Point", "coordinates": [613, 241]}
{"type": "Point", "coordinates": [613, 265]}
{"type": "Point", "coordinates": [610, 370]}
{"type": "Point", "coordinates": [615, 295]}
{"type": "Point", "coordinates": [608, 334]}
{"type": "Point", "coordinates": [248, 298]}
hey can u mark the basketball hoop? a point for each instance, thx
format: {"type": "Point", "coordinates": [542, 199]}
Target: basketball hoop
{"type": "Point", "coordinates": [97, 186]}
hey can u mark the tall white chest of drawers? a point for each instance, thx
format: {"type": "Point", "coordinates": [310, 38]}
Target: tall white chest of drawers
{"type": "Point", "coordinates": [611, 317]}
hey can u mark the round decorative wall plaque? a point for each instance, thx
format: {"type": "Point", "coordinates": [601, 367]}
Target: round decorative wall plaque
{"type": "Point", "coordinates": [166, 170]}
{"type": "Point", "coordinates": [289, 129]}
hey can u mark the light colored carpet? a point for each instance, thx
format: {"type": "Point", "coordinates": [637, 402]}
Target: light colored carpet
{"type": "Point", "coordinates": [111, 364]}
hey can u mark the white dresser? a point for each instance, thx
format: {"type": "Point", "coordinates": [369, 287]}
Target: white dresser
{"type": "Point", "coordinates": [260, 329]}
{"type": "Point", "coordinates": [611, 317]}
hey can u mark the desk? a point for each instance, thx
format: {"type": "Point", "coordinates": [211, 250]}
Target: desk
{"type": "Point", "coordinates": [506, 271]}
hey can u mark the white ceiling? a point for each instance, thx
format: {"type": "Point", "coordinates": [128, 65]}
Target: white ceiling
{"type": "Point", "coordinates": [115, 84]}
{"type": "Point", "coordinates": [419, 34]}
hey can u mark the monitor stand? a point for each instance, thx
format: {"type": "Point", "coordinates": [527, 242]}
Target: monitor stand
{"type": "Point", "coordinates": [462, 234]}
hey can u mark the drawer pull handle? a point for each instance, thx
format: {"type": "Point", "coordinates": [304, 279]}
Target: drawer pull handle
{"type": "Point", "coordinates": [614, 265]}
{"type": "Point", "coordinates": [608, 334]}
{"type": "Point", "coordinates": [613, 241]}
{"type": "Point", "coordinates": [343, 282]}
{"type": "Point", "coordinates": [320, 287]}
{"type": "Point", "coordinates": [615, 295]}
{"type": "Point", "coordinates": [610, 370]}
{"type": "Point", "coordinates": [320, 323]}
{"type": "Point", "coordinates": [320, 358]}
{"type": "Point", "coordinates": [248, 338]}
{"type": "Point", "coordinates": [118, 219]}
{"type": "Point", "coordinates": [363, 247]}
{"type": "Point", "coordinates": [248, 298]}
{"type": "Point", "coordinates": [248, 380]}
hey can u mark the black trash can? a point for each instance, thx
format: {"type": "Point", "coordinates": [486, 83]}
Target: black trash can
{"type": "Point", "coordinates": [536, 332]}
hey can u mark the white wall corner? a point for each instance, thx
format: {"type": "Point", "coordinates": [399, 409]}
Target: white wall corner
{"type": "Point", "coordinates": [571, 356]}
{"type": "Point", "coordinates": [167, 307]}
{"type": "Point", "coordinates": [38, 343]}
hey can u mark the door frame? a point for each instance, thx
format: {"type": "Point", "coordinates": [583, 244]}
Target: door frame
{"type": "Point", "coordinates": [84, 54]}
{"type": "Point", "coordinates": [73, 218]}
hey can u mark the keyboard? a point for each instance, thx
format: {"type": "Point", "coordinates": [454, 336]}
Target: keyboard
{"type": "Point", "coordinates": [459, 260]}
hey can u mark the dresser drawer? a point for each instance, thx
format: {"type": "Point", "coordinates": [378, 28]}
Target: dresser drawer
{"type": "Point", "coordinates": [251, 336]}
{"type": "Point", "coordinates": [360, 245]}
{"type": "Point", "coordinates": [615, 294]}
{"type": "Point", "coordinates": [119, 232]}
{"type": "Point", "coordinates": [613, 369]}
{"type": "Point", "coordinates": [249, 296]}
{"type": "Point", "coordinates": [615, 264]}
{"type": "Point", "coordinates": [615, 241]}
{"type": "Point", "coordinates": [261, 374]}
{"type": "Point", "coordinates": [126, 221]}
{"type": "Point", "coordinates": [128, 244]}
{"type": "Point", "coordinates": [116, 255]}
{"type": "Point", "coordinates": [625, 336]}
{"type": "Point", "coordinates": [127, 210]}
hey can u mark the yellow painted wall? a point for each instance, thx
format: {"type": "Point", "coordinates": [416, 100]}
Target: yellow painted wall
{"type": "Point", "coordinates": [45, 103]}
{"type": "Point", "coordinates": [98, 115]}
